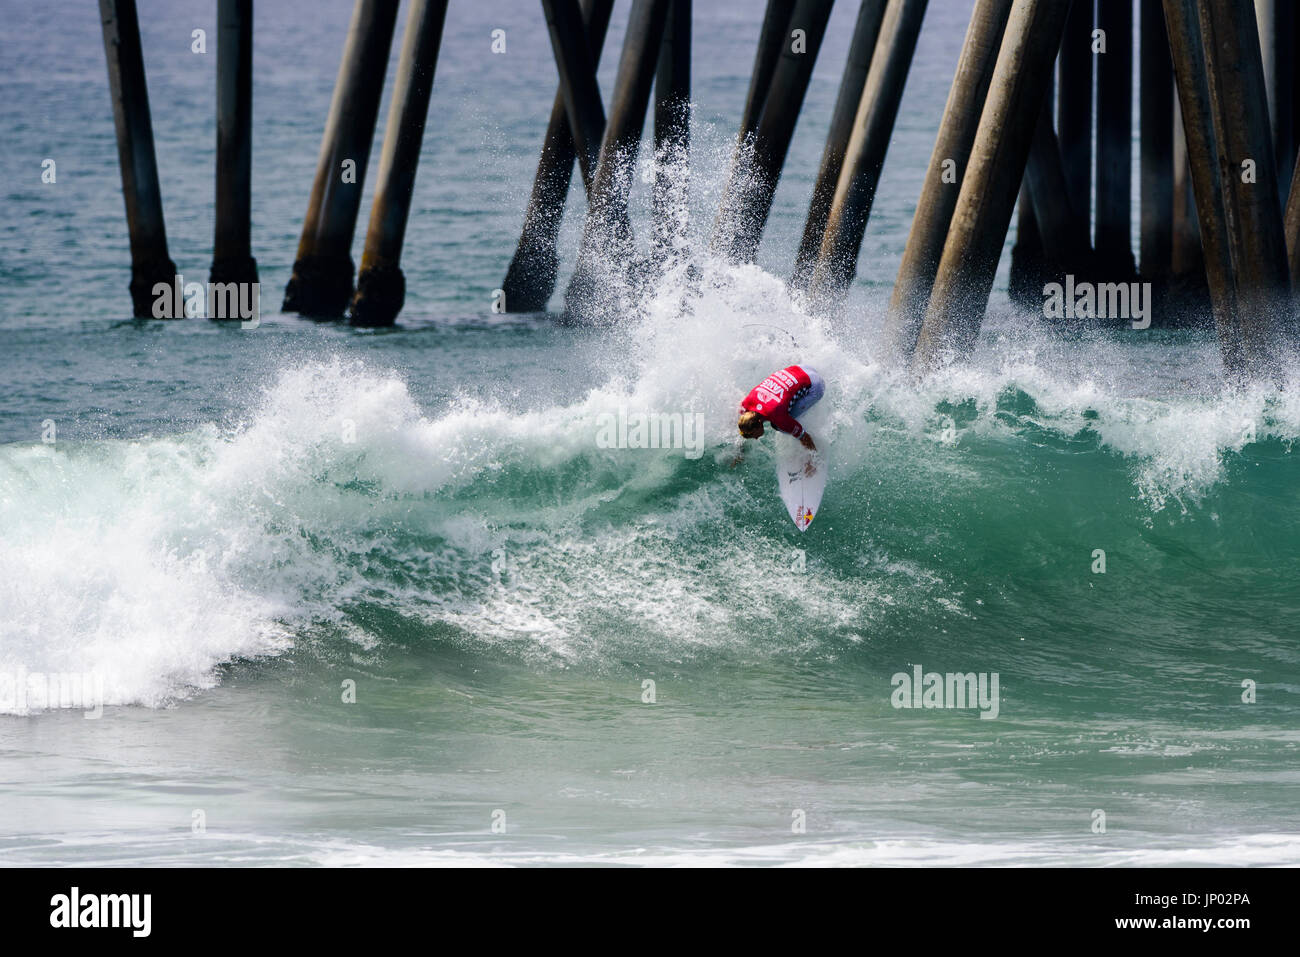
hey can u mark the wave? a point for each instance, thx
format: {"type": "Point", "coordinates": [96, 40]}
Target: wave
{"type": "Point", "coordinates": [503, 523]}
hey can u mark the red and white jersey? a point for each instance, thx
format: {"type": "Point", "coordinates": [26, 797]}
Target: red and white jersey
{"type": "Point", "coordinates": [773, 397]}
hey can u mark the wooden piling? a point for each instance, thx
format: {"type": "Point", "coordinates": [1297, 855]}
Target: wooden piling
{"type": "Point", "coordinates": [754, 175]}
{"type": "Point", "coordinates": [992, 179]}
{"type": "Point", "coordinates": [957, 130]}
{"type": "Point", "coordinates": [1115, 140]}
{"type": "Point", "coordinates": [672, 132]}
{"type": "Point", "coordinates": [1156, 134]}
{"type": "Point", "coordinates": [606, 236]}
{"type": "Point", "coordinates": [1074, 106]}
{"type": "Point", "coordinates": [1207, 243]}
{"type": "Point", "coordinates": [1291, 226]}
{"type": "Point", "coordinates": [1277, 41]}
{"type": "Point", "coordinates": [381, 285]}
{"type": "Point", "coordinates": [1187, 265]}
{"type": "Point", "coordinates": [861, 47]}
{"type": "Point", "coordinates": [864, 158]}
{"type": "Point", "coordinates": [1217, 65]}
{"type": "Point", "coordinates": [321, 284]}
{"type": "Point", "coordinates": [673, 80]}
{"type": "Point", "coordinates": [1063, 231]}
{"type": "Point", "coordinates": [1239, 101]}
{"type": "Point", "coordinates": [1030, 267]}
{"type": "Point", "coordinates": [150, 263]}
{"type": "Point", "coordinates": [577, 68]}
{"type": "Point", "coordinates": [232, 254]}
{"type": "Point", "coordinates": [530, 279]}
{"type": "Point", "coordinates": [772, 39]}
{"type": "Point", "coordinates": [1187, 303]}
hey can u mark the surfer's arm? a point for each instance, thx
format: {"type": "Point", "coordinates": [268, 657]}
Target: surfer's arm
{"type": "Point", "coordinates": [807, 441]}
{"type": "Point", "coordinates": [783, 421]}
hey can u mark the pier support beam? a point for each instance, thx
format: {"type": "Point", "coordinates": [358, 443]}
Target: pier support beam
{"type": "Point", "coordinates": [1216, 56]}
{"type": "Point", "coordinates": [530, 280]}
{"type": "Point", "coordinates": [865, 33]}
{"type": "Point", "coordinates": [772, 39]}
{"type": "Point", "coordinates": [1239, 100]}
{"type": "Point", "coordinates": [934, 209]}
{"type": "Point", "coordinates": [1033, 263]}
{"type": "Point", "coordinates": [864, 158]}
{"type": "Point", "coordinates": [321, 284]}
{"type": "Point", "coordinates": [1277, 41]}
{"type": "Point", "coordinates": [1156, 134]}
{"type": "Point", "coordinates": [1200, 232]}
{"type": "Point", "coordinates": [577, 68]}
{"type": "Point", "coordinates": [1030, 266]}
{"type": "Point", "coordinates": [1063, 233]}
{"type": "Point", "coordinates": [150, 263]}
{"type": "Point", "coordinates": [1189, 302]}
{"type": "Point", "coordinates": [988, 189]}
{"type": "Point", "coordinates": [1291, 226]}
{"type": "Point", "coordinates": [381, 286]}
{"type": "Point", "coordinates": [1074, 68]}
{"type": "Point", "coordinates": [232, 254]}
{"type": "Point", "coordinates": [1060, 228]}
{"type": "Point", "coordinates": [747, 200]}
{"type": "Point", "coordinates": [672, 132]}
{"type": "Point", "coordinates": [1115, 141]}
{"type": "Point", "coordinates": [606, 236]}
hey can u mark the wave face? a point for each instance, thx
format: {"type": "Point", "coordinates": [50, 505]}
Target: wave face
{"type": "Point", "coordinates": [964, 515]}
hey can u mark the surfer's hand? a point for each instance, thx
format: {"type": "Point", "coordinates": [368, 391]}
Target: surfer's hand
{"type": "Point", "coordinates": [737, 453]}
{"type": "Point", "coordinates": [807, 442]}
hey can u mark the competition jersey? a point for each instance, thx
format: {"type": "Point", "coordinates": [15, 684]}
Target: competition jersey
{"type": "Point", "coordinates": [773, 397]}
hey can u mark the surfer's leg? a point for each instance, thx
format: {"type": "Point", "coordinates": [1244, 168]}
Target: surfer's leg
{"type": "Point", "coordinates": [806, 401]}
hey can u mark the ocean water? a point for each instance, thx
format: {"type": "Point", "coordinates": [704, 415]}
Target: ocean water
{"type": "Point", "coordinates": [236, 532]}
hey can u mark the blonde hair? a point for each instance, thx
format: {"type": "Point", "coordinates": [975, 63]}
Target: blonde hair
{"type": "Point", "coordinates": [750, 425]}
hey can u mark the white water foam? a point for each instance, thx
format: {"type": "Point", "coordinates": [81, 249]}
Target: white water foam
{"type": "Point", "coordinates": [151, 563]}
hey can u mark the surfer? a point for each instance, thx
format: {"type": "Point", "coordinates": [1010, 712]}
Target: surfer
{"type": "Point", "coordinates": [779, 400]}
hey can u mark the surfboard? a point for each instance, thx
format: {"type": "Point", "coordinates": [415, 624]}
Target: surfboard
{"type": "Point", "coordinates": [801, 486]}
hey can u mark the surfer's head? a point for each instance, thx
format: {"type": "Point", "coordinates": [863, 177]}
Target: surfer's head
{"type": "Point", "coordinates": [751, 425]}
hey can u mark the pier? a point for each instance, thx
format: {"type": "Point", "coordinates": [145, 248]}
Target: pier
{"type": "Point", "coordinates": [1020, 149]}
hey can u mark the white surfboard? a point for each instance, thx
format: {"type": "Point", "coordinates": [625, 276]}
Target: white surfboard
{"type": "Point", "coordinates": [801, 475]}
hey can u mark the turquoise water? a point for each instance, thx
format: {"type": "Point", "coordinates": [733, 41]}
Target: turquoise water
{"type": "Point", "coordinates": [233, 529]}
